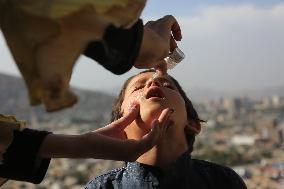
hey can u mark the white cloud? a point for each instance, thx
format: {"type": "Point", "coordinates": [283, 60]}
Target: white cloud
{"type": "Point", "coordinates": [233, 47]}
{"type": "Point", "coordinates": [224, 19]}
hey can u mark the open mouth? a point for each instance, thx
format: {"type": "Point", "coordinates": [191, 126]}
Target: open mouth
{"type": "Point", "coordinates": [155, 92]}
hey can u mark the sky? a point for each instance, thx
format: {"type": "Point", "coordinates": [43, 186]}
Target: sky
{"type": "Point", "coordinates": [229, 45]}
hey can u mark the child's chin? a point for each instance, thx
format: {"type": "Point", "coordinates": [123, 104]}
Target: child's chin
{"type": "Point", "coordinates": [148, 117]}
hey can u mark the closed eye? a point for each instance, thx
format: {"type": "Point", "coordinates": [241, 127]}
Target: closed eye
{"type": "Point", "coordinates": [138, 88]}
{"type": "Point", "coordinates": [168, 85]}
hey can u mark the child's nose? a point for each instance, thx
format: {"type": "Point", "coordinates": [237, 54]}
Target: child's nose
{"type": "Point", "coordinates": [153, 82]}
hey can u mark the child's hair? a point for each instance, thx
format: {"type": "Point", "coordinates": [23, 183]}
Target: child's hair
{"type": "Point", "coordinates": [191, 112]}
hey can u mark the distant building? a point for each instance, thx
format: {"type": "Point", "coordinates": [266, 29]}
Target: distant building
{"type": "Point", "coordinates": [241, 140]}
{"type": "Point", "coordinates": [265, 134]}
{"type": "Point", "coordinates": [276, 101]}
{"type": "Point", "coordinates": [233, 106]}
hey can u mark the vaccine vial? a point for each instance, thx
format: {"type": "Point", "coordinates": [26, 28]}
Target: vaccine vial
{"type": "Point", "coordinates": [174, 58]}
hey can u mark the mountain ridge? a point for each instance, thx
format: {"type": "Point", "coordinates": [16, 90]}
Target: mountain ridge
{"type": "Point", "coordinates": [93, 106]}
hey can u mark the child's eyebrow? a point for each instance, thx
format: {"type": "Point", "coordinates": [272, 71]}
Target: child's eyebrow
{"type": "Point", "coordinates": [139, 81]}
{"type": "Point", "coordinates": [167, 80]}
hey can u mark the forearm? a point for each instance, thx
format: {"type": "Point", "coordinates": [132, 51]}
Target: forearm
{"type": "Point", "coordinates": [61, 146]}
{"type": "Point", "coordinates": [89, 145]}
{"type": "Point", "coordinates": [119, 48]}
{"type": "Point", "coordinates": [110, 148]}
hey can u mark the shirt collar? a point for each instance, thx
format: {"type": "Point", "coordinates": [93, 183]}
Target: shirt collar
{"type": "Point", "coordinates": [146, 172]}
{"type": "Point", "coordinates": [143, 171]}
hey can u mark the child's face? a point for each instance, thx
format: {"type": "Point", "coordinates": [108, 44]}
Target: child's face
{"type": "Point", "coordinates": [154, 95]}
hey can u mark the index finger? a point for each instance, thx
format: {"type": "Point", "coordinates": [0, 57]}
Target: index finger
{"type": "Point", "coordinates": [176, 31]}
{"type": "Point", "coordinates": [175, 27]}
{"type": "Point", "coordinates": [165, 115]}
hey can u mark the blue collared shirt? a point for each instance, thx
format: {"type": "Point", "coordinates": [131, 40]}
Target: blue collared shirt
{"type": "Point", "coordinates": [183, 173]}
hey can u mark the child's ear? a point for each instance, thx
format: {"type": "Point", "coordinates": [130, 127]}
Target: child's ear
{"type": "Point", "coordinates": [193, 127]}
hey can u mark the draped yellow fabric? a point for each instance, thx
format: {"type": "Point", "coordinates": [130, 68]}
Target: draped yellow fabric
{"type": "Point", "coordinates": [46, 37]}
{"type": "Point", "coordinates": [12, 120]}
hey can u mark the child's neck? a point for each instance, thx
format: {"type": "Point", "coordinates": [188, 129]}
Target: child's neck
{"type": "Point", "coordinates": [165, 152]}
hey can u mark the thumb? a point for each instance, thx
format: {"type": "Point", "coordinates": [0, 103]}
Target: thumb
{"type": "Point", "coordinates": [124, 121]}
{"type": "Point", "coordinates": [150, 139]}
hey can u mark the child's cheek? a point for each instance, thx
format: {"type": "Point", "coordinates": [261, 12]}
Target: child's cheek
{"type": "Point", "coordinates": [134, 99]}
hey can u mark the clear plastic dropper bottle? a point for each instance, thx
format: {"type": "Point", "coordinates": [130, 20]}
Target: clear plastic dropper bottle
{"type": "Point", "coordinates": [174, 58]}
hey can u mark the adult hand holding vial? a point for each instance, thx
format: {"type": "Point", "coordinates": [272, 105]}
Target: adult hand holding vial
{"type": "Point", "coordinates": [159, 39]}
